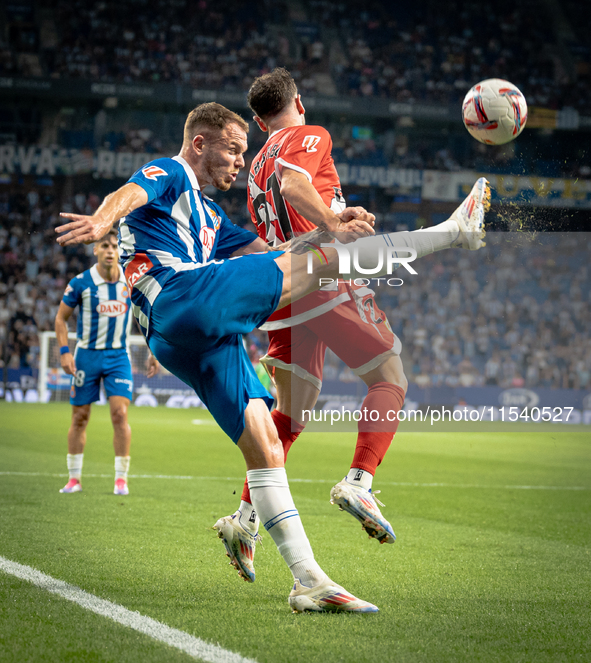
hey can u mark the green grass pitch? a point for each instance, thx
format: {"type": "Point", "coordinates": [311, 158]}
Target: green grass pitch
{"type": "Point", "coordinates": [492, 561]}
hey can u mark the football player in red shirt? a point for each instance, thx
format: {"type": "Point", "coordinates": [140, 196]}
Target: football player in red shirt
{"type": "Point", "coordinates": [294, 188]}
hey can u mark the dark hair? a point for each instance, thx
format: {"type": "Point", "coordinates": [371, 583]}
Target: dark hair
{"type": "Point", "coordinates": [112, 233]}
{"type": "Point", "coordinates": [271, 93]}
{"type": "Point", "coordinates": [210, 116]}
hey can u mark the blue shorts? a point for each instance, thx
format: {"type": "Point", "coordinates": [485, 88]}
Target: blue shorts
{"type": "Point", "coordinates": [113, 366]}
{"type": "Point", "coordinates": [196, 328]}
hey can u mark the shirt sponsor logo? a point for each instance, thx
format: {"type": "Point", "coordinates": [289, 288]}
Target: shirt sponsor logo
{"type": "Point", "coordinates": [153, 172]}
{"type": "Point", "coordinates": [137, 268]}
{"type": "Point", "coordinates": [207, 237]}
{"type": "Point", "coordinates": [310, 143]}
{"type": "Point", "coordinates": [112, 308]}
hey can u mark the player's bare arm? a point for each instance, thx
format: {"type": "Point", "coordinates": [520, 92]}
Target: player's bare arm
{"type": "Point", "coordinates": [303, 197]}
{"type": "Point", "coordinates": [61, 332]}
{"type": "Point", "coordinates": [152, 366]}
{"type": "Point", "coordinates": [89, 229]}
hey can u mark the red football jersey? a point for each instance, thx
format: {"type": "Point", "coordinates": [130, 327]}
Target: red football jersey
{"type": "Point", "coordinates": [306, 149]}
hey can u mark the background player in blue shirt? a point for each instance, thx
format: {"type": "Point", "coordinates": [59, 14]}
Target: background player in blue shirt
{"type": "Point", "coordinates": [104, 322]}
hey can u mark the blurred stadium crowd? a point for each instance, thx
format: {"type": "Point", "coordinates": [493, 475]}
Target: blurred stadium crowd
{"type": "Point", "coordinates": [423, 52]}
{"type": "Point", "coordinates": [34, 270]}
{"type": "Point", "coordinates": [412, 52]}
{"type": "Point", "coordinates": [516, 313]}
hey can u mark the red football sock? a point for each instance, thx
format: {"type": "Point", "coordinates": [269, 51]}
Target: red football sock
{"type": "Point", "coordinates": [288, 431]}
{"type": "Point", "coordinates": [374, 437]}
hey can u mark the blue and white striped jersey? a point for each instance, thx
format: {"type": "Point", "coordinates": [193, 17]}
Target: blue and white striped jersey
{"type": "Point", "coordinates": [177, 229]}
{"type": "Point", "coordinates": [103, 318]}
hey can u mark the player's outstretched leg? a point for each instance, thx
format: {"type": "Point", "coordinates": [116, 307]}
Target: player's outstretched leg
{"type": "Point", "coordinates": [464, 229]}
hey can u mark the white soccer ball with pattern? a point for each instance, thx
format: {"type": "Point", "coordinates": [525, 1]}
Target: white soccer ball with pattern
{"type": "Point", "coordinates": [494, 111]}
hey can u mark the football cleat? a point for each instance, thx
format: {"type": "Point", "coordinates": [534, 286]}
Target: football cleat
{"type": "Point", "coordinates": [239, 543]}
{"type": "Point", "coordinates": [120, 487]}
{"type": "Point", "coordinates": [470, 216]}
{"type": "Point", "coordinates": [73, 486]}
{"type": "Point", "coordinates": [327, 597]}
{"type": "Point", "coordinates": [361, 504]}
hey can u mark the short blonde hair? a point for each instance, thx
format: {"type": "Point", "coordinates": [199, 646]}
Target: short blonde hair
{"type": "Point", "coordinates": [210, 117]}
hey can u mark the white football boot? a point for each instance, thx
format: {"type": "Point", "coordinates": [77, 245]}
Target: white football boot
{"type": "Point", "coordinates": [327, 597]}
{"type": "Point", "coordinates": [73, 486]}
{"type": "Point", "coordinates": [121, 487]}
{"type": "Point", "coordinates": [361, 504]}
{"type": "Point", "coordinates": [239, 543]}
{"type": "Point", "coordinates": [470, 216]}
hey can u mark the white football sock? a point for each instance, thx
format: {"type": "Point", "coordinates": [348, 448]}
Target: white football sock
{"type": "Point", "coordinates": [360, 478]}
{"type": "Point", "coordinates": [367, 254]}
{"type": "Point", "coordinates": [74, 462]}
{"type": "Point", "coordinates": [248, 517]}
{"type": "Point", "coordinates": [269, 491]}
{"type": "Point", "coordinates": [121, 467]}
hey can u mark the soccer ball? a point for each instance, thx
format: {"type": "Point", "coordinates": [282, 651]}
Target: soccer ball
{"type": "Point", "coordinates": [494, 111]}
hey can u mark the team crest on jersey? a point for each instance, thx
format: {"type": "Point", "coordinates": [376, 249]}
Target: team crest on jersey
{"type": "Point", "coordinates": [207, 238]}
{"type": "Point", "coordinates": [112, 308]}
{"type": "Point", "coordinates": [124, 292]}
{"type": "Point", "coordinates": [153, 172]}
{"type": "Point", "coordinates": [310, 143]}
{"type": "Point", "coordinates": [215, 217]}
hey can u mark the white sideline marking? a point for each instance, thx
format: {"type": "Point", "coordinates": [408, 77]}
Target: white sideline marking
{"type": "Point", "coordinates": [296, 480]}
{"type": "Point", "coordinates": [185, 642]}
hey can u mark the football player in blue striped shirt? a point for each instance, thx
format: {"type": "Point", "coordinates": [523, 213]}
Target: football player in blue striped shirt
{"type": "Point", "coordinates": [197, 284]}
{"type": "Point", "coordinates": [104, 322]}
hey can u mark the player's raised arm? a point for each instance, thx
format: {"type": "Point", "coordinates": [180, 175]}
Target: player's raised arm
{"type": "Point", "coordinates": [303, 197]}
{"type": "Point", "coordinates": [87, 229]}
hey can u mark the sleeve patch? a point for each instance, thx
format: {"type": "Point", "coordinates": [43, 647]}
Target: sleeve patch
{"type": "Point", "coordinates": [153, 172]}
{"type": "Point", "coordinates": [310, 143]}
{"type": "Point", "coordinates": [68, 290]}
